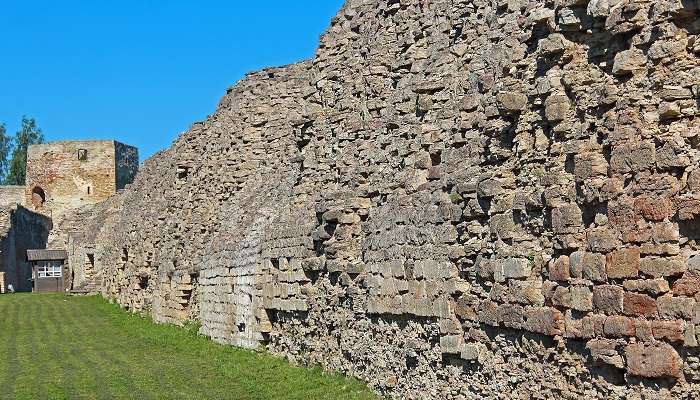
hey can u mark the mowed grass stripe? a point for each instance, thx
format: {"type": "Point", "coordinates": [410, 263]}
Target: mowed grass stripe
{"type": "Point", "coordinates": [12, 364]}
{"type": "Point", "coordinates": [90, 349]}
{"type": "Point", "coordinates": [83, 374]}
{"type": "Point", "coordinates": [67, 378]}
{"type": "Point", "coordinates": [52, 360]}
{"type": "Point", "coordinates": [133, 381]}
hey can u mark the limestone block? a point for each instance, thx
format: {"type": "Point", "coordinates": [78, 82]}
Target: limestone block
{"type": "Point", "coordinates": [623, 263]}
{"type": "Point", "coordinates": [628, 61]}
{"type": "Point", "coordinates": [608, 299]}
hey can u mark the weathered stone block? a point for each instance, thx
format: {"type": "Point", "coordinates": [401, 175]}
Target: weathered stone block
{"type": "Point", "coordinates": [632, 157]}
{"type": "Point", "coordinates": [588, 265]}
{"type": "Point", "coordinates": [623, 263]}
{"type": "Point", "coordinates": [581, 298]}
{"type": "Point", "coordinates": [527, 292]}
{"type": "Point", "coordinates": [618, 326]}
{"type": "Point", "coordinates": [608, 299]}
{"type": "Point", "coordinates": [602, 239]}
{"type": "Point", "coordinates": [654, 208]}
{"type": "Point", "coordinates": [511, 101]}
{"type": "Point", "coordinates": [512, 268]}
{"type": "Point", "coordinates": [605, 350]}
{"type": "Point", "coordinates": [652, 286]}
{"type": "Point", "coordinates": [544, 320]}
{"type": "Point", "coordinates": [653, 360]}
{"type": "Point", "coordinates": [686, 286]}
{"type": "Point", "coordinates": [562, 297]}
{"type": "Point", "coordinates": [566, 219]}
{"type": "Point", "coordinates": [671, 331]}
{"type": "Point", "coordinates": [675, 307]}
{"type": "Point", "coordinates": [559, 269]}
{"type": "Point", "coordinates": [628, 61]}
{"type": "Point", "coordinates": [662, 267]}
{"type": "Point", "coordinates": [503, 226]}
{"type": "Point", "coordinates": [511, 315]}
{"type": "Point", "coordinates": [639, 305]}
{"type": "Point", "coordinates": [589, 165]}
{"type": "Point", "coordinates": [557, 106]}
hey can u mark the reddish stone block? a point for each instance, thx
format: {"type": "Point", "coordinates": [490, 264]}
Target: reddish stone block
{"type": "Point", "coordinates": [653, 360]}
{"type": "Point", "coordinates": [608, 299]}
{"type": "Point", "coordinates": [559, 269]}
{"type": "Point", "coordinates": [688, 207]}
{"type": "Point", "coordinates": [672, 331]}
{"type": "Point", "coordinates": [689, 286]}
{"type": "Point", "coordinates": [639, 305]}
{"type": "Point", "coordinates": [623, 263]}
{"type": "Point", "coordinates": [545, 320]}
{"type": "Point", "coordinates": [618, 326]}
{"type": "Point", "coordinates": [654, 208]}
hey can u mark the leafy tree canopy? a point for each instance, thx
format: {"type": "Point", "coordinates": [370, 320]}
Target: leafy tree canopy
{"type": "Point", "coordinates": [5, 146]}
{"type": "Point", "coordinates": [28, 135]}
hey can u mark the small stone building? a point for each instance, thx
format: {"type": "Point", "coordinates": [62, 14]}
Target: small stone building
{"type": "Point", "coordinates": [62, 176]}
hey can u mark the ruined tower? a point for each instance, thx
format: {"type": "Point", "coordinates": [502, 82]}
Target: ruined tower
{"type": "Point", "coordinates": [69, 174]}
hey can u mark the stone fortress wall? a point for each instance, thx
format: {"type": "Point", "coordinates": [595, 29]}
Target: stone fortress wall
{"type": "Point", "coordinates": [11, 195]}
{"type": "Point", "coordinates": [453, 199]}
{"type": "Point", "coordinates": [20, 229]}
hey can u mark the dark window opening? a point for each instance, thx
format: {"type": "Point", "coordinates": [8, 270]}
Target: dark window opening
{"type": "Point", "coordinates": [182, 172]}
{"type": "Point", "coordinates": [143, 282]}
{"type": "Point", "coordinates": [241, 327]}
{"type": "Point", "coordinates": [82, 154]}
{"type": "Point", "coordinates": [88, 189]}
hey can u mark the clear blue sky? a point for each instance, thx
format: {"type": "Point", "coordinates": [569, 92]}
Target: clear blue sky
{"type": "Point", "coordinates": [141, 71]}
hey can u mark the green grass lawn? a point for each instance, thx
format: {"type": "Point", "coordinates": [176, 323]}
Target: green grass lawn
{"type": "Point", "coordinates": [61, 347]}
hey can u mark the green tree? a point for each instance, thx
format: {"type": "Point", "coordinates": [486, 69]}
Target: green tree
{"type": "Point", "coordinates": [5, 146]}
{"type": "Point", "coordinates": [29, 134]}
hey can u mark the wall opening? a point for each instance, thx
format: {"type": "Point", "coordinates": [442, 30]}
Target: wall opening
{"type": "Point", "coordinates": [143, 282]}
{"type": "Point", "coordinates": [82, 155]}
{"type": "Point", "coordinates": [38, 196]}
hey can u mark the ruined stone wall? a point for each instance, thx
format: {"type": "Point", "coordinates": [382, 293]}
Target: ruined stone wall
{"type": "Point", "coordinates": [20, 230]}
{"type": "Point", "coordinates": [62, 176]}
{"type": "Point", "coordinates": [453, 199]}
{"type": "Point", "coordinates": [11, 195]}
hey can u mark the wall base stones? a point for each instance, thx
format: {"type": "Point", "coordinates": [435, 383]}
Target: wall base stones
{"type": "Point", "coordinates": [453, 199]}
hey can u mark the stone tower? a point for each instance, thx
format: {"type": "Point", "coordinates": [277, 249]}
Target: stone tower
{"type": "Point", "coordinates": [62, 176]}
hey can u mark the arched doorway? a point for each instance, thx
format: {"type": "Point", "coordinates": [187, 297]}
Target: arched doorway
{"type": "Point", "coordinates": [38, 196]}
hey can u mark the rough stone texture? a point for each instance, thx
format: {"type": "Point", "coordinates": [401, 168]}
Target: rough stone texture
{"type": "Point", "coordinates": [11, 196]}
{"type": "Point", "coordinates": [390, 208]}
{"type": "Point", "coordinates": [20, 230]}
